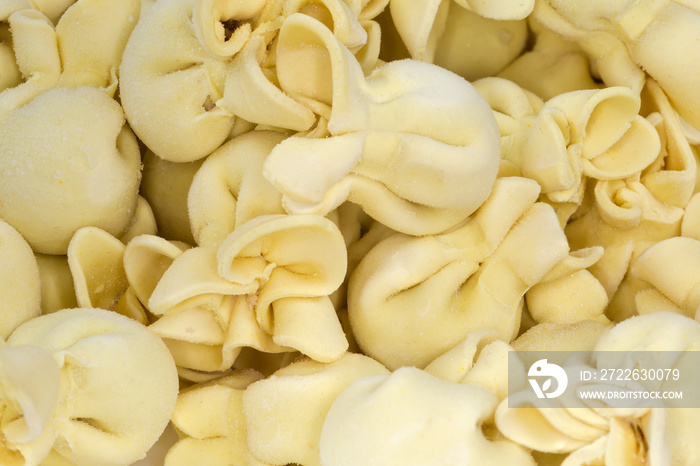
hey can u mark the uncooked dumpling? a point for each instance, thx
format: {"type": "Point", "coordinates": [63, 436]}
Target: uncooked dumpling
{"type": "Point", "coordinates": [413, 418]}
{"type": "Point", "coordinates": [118, 384]}
{"type": "Point", "coordinates": [71, 149]}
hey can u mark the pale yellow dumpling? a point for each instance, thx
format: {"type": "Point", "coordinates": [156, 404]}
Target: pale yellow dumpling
{"type": "Point", "coordinates": [118, 384]}
{"type": "Point", "coordinates": [67, 160]}
{"type": "Point", "coordinates": [413, 418]}
{"type": "Point", "coordinates": [20, 288]}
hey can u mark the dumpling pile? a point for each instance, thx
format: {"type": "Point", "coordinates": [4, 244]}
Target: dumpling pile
{"type": "Point", "coordinates": [312, 231]}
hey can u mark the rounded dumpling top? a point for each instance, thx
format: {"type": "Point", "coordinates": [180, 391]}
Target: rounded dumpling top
{"type": "Point", "coordinates": [117, 386]}
{"type": "Point", "coordinates": [67, 160]}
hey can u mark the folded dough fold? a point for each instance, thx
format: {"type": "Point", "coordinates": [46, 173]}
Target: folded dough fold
{"type": "Point", "coordinates": [569, 293]}
{"type": "Point", "coordinates": [670, 267]}
{"type": "Point", "coordinates": [35, 48]}
{"type": "Point", "coordinates": [411, 417]}
{"type": "Point", "coordinates": [451, 139]}
{"type": "Point", "coordinates": [91, 38]}
{"type": "Point", "coordinates": [297, 261]}
{"type": "Point", "coordinates": [29, 394]}
{"type": "Point", "coordinates": [169, 93]}
{"type": "Point", "coordinates": [209, 418]}
{"type": "Point", "coordinates": [266, 287]}
{"type": "Point", "coordinates": [229, 188]}
{"type": "Point", "coordinates": [284, 414]}
{"type": "Point", "coordinates": [627, 37]}
{"type": "Point", "coordinates": [430, 292]}
{"type": "Point", "coordinates": [118, 384]}
{"type": "Point", "coordinates": [595, 432]}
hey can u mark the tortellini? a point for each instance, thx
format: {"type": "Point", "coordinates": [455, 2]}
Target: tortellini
{"type": "Point", "coordinates": [284, 414]}
{"type": "Point", "coordinates": [86, 391]}
{"type": "Point", "coordinates": [591, 434]}
{"type": "Point", "coordinates": [229, 188]}
{"type": "Point", "coordinates": [218, 68]}
{"type": "Point", "coordinates": [315, 232]}
{"type": "Point", "coordinates": [410, 417]}
{"type": "Point", "coordinates": [83, 167]}
{"type": "Point", "coordinates": [217, 435]}
{"type": "Point", "coordinates": [627, 39]}
{"type": "Point", "coordinates": [431, 291]}
{"type": "Point", "coordinates": [61, 136]}
{"type": "Point", "coordinates": [156, 79]}
{"type": "Point", "coordinates": [266, 286]}
{"type": "Point", "coordinates": [450, 144]}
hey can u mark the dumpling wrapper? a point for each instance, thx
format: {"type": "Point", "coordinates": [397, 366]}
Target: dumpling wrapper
{"type": "Point", "coordinates": [606, 433]}
{"type": "Point", "coordinates": [95, 258]}
{"type": "Point", "coordinates": [20, 284]}
{"type": "Point", "coordinates": [625, 219]}
{"type": "Point", "coordinates": [284, 413]}
{"type": "Point", "coordinates": [629, 216]}
{"type": "Point", "coordinates": [209, 418]}
{"type": "Point", "coordinates": [91, 38]}
{"type": "Point", "coordinates": [195, 308]}
{"type": "Point", "coordinates": [167, 91]}
{"type": "Point", "coordinates": [118, 384]}
{"type": "Point", "coordinates": [624, 38]}
{"type": "Point", "coordinates": [298, 260]}
{"type": "Point", "coordinates": [11, 75]}
{"type": "Point", "coordinates": [450, 143]}
{"type": "Point", "coordinates": [481, 360]}
{"type": "Point", "coordinates": [29, 393]}
{"type": "Point", "coordinates": [592, 133]}
{"type": "Point", "coordinates": [671, 268]}
{"type": "Point", "coordinates": [430, 292]}
{"type": "Point", "coordinates": [36, 54]}
{"type": "Point", "coordinates": [96, 263]}
{"type": "Point", "coordinates": [569, 293]}
{"type": "Point", "coordinates": [515, 110]}
{"type": "Point", "coordinates": [265, 287]}
{"type": "Point", "coordinates": [72, 149]}
{"type": "Point", "coordinates": [229, 188]}
{"type": "Point", "coordinates": [413, 418]}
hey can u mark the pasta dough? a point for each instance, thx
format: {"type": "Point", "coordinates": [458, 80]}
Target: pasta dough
{"type": "Point", "coordinates": [412, 418]}
{"type": "Point", "coordinates": [450, 143]}
{"type": "Point", "coordinates": [624, 36]}
{"type": "Point", "coordinates": [302, 198]}
{"type": "Point", "coordinates": [72, 149]}
{"type": "Point", "coordinates": [20, 283]}
{"type": "Point", "coordinates": [431, 291]}
{"type": "Point", "coordinates": [112, 402]}
{"type": "Point", "coordinates": [284, 414]}
{"type": "Point", "coordinates": [164, 90]}
{"type": "Point", "coordinates": [229, 188]}
{"type": "Point", "coordinates": [209, 417]}
{"type": "Point", "coordinates": [604, 433]}
{"type": "Point", "coordinates": [266, 287]}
